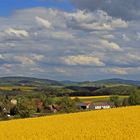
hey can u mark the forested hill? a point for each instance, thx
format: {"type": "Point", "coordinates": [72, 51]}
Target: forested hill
{"type": "Point", "coordinates": [29, 81]}
{"type": "Point", "coordinates": [113, 81]}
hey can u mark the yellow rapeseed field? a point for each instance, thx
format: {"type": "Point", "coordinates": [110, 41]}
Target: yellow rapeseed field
{"type": "Point", "coordinates": [111, 124]}
{"type": "Point", "coordinates": [89, 97]}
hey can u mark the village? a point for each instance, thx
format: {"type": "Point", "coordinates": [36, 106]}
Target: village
{"type": "Point", "coordinates": [11, 108]}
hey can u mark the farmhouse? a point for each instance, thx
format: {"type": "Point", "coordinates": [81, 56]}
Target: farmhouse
{"type": "Point", "coordinates": [84, 105]}
{"type": "Point", "coordinates": [101, 105]}
{"type": "Point", "coordinates": [89, 105]}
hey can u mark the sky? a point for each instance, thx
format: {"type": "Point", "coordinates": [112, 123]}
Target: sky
{"type": "Point", "coordinates": [70, 39]}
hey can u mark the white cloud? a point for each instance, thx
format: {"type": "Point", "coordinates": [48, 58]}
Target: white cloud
{"type": "Point", "coordinates": [125, 37]}
{"type": "Point", "coordinates": [108, 36]}
{"type": "Point", "coordinates": [83, 60]}
{"type": "Point", "coordinates": [43, 22]}
{"type": "Point", "coordinates": [62, 35]}
{"type": "Point", "coordinates": [1, 56]}
{"type": "Point", "coordinates": [60, 44]}
{"type": "Point", "coordinates": [111, 45]}
{"type": "Point", "coordinates": [98, 20]}
{"type": "Point", "coordinates": [135, 57]}
{"type": "Point", "coordinates": [126, 9]}
{"type": "Point", "coordinates": [138, 35]}
{"type": "Point", "coordinates": [28, 60]}
{"type": "Point", "coordinates": [16, 32]}
{"type": "Point", "coordinates": [118, 71]}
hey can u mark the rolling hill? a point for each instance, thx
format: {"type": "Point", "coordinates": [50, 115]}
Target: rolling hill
{"type": "Point", "coordinates": [113, 81]}
{"type": "Point", "coordinates": [29, 81]}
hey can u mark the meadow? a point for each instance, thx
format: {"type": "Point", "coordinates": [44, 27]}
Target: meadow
{"type": "Point", "coordinates": [112, 124]}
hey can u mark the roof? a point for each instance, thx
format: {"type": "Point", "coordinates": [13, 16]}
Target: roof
{"type": "Point", "coordinates": [96, 103]}
{"type": "Point", "coordinates": [81, 104]}
{"type": "Point", "coordinates": [87, 102]}
{"type": "Point", "coordinates": [105, 103]}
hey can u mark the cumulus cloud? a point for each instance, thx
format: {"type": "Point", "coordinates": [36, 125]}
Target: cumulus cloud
{"type": "Point", "coordinates": [28, 60]}
{"type": "Point", "coordinates": [43, 22]}
{"type": "Point", "coordinates": [83, 60]}
{"type": "Point", "coordinates": [118, 71]}
{"type": "Point", "coordinates": [126, 9]}
{"type": "Point", "coordinates": [111, 45]}
{"type": "Point", "coordinates": [76, 45]}
{"type": "Point", "coordinates": [98, 20]}
{"type": "Point", "coordinates": [16, 32]}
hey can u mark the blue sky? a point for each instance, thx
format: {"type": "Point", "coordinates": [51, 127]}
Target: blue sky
{"type": "Point", "coordinates": [70, 39]}
{"type": "Point", "coordinates": [8, 6]}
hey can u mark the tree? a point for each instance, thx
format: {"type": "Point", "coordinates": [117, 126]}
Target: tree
{"type": "Point", "coordinates": [67, 105]}
{"type": "Point", "coordinates": [77, 99]}
{"type": "Point", "coordinates": [116, 100]}
{"type": "Point", "coordinates": [134, 99]}
{"type": "Point", "coordinates": [48, 101]}
{"type": "Point", "coordinates": [125, 102]}
{"type": "Point", "coordinates": [25, 107]}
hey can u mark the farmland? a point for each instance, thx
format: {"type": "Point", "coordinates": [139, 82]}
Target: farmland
{"type": "Point", "coordinates": [112, 124]}
{"type": "Point", "coordinates": [96, 98]}
{"type": "Point", "coordinates": [22, 88]}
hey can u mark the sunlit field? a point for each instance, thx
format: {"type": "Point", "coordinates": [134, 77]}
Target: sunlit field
{"type": "Point", "coordinates": [89, 97]}
{"type": "Point", "coordinates": [96, 98]}
{"type": "Point", "coordinates": [22, 88]}
{"type": "Point", "coordinates": [111, 124]}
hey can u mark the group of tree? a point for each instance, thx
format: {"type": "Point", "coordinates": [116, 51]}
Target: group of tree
{"type": "Point", "coordinates": [28, 107]}
{"type": "Point", "coordinates": [133, 99]}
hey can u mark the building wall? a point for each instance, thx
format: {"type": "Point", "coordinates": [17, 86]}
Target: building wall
{"type": "Point", "coordinates": [102, 107]}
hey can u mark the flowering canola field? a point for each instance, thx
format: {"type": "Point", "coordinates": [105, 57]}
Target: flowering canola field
{"type": "Point", "coordinates": [111, 124]}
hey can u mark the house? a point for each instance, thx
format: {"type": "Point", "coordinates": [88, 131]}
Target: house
{"type": "Point", "coordinates": [84, 105]}
{"type": "Point", "coordinates": [14, 101]}
{"type": "Point", "coordinates": [100, 105]}
{"type": "Point", "coordinates": [6, 112]}
{"type": "Point", "coordinates": [53, 108]}
{"type": "Point", "coordinates": [90, 105]}
{"type": "Point", "coordinates": [38, 104]}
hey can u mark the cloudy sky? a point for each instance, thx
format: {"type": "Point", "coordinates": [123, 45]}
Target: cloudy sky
{"type": "Point", "coordinates": [70, 39]}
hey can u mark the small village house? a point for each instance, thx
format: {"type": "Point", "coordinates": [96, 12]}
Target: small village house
{"type": "Point", "coordinates": [100, 105]}
{"type": "Point", "coordinates": [90, 105]}
{"type": "Point", "coordinates": [14, 101]}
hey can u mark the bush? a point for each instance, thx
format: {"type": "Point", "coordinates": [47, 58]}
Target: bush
{"type": "Point", "coordinates": [134, 99]}
{"type": "Point", "coordinates": [24, 113]}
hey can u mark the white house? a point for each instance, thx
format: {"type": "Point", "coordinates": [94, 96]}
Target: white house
{"type": "Point", "coordinates": [14, 101]}
{"type": "Point", "coordinates": [101, 105]}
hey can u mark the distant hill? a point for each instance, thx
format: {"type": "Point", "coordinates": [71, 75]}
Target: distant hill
{"type": "Point", "coordinates": [113, 81]}
{"type": "Point", "coordinates": [28, 81]}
